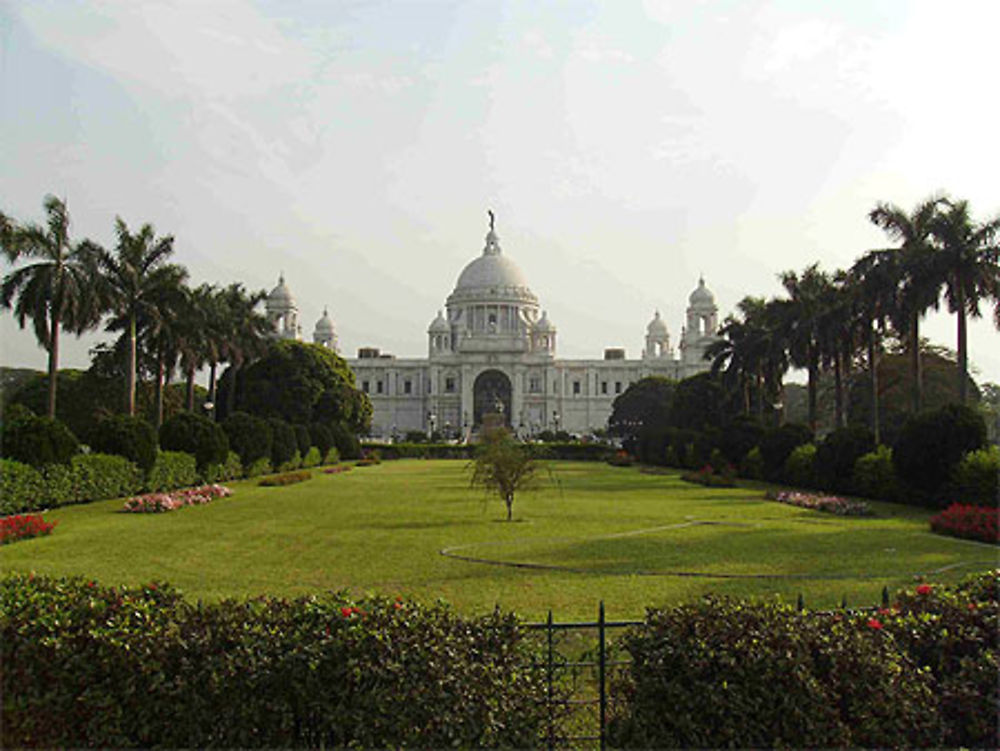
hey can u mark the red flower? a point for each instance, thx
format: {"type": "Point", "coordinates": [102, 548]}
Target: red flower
{"type": "Point", "coordinates": [397, 605]}
{"type": "Point", "coordinates": [924, 589]}
{"type": "Point", "coordinates": [875, 623]}
{"type": "Point", "coordinates": [972, 606]}
{"type": "Point", "coordinates": [346, 612]}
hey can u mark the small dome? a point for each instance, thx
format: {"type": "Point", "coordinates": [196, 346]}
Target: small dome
{"type": "Point", "coordinates": [702, 296]}
{"type": "Point", "coordinates": [439, 325]}
{"type": "Point", "coordinates": [657, 327]}
{"type": "Point", "coordinates": [280, 295]}
{"type": "Point", "coordinates": [324, 325]}
{"type": "Point", "coordinates": [544, 325]}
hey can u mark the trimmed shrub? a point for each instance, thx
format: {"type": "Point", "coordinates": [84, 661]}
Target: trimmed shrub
{"type": "Point", "coordinates": [294, 463]}
{"type": "Point", "coordinates": [800, 466]}
{"type": "Point", "coordinates": [729, 674]}
{"type": "Point", "coordinates": [172, 469]}
{"type": "Point", "coordinates": [92, 666]}
{"type": "Point", "coordinates": [348, 446]}
{"type": "Point", "coordinates": [250, 437]}
{"type": "Point", "coordinates": [312, 458]}
{"type": "Point", "coordinates": [332, 457]}
{"type": "Point", "coordinates": [197, 435]}
{"type": "Point", "coordinates": [321, 437]}
{"type": "Point", "coordinates": [874, 475]}
{"type": "Point", "coordinates": [975, 478]}
{"type": "Point", "coordinates": [98, 477]}
{"type": "Point", "coordinates": [288, 478]}
{"type": "Point", "coordinates": [752, 466]}
{"type": "Point", "coordinates": [931, 444]}
{"type": "Point", "coordinates": [837, 454]}
{"type": "Point", "coordinates": [778, 443]}
{"type": "Point", "coordinates": [130, 437]}
{"type": "Point", "coordinates": [283, 443]}
{"type": "Point", "coordinates": [22, 487]}
{"type": "Point", "coordinates": [259, 467]}
{"type": "Point", "coordinates": [37, 440]}
{"type": "Point", "coordinates": [738, 438]}
{"type": "Point", "coordinates": [231, 470]}
{"type": "Point", "coordinates": [302, 439]}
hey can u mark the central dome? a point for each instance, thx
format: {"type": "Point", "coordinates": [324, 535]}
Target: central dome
{"type": "Point", "coordinates": [492, 276]}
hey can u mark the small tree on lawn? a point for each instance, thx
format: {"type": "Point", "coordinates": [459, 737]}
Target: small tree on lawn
{"type": "Point", "coordinates": [503, 465]}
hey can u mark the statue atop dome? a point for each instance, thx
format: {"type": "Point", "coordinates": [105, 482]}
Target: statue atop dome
{"type": "Point", "coordinates": [493, 219]}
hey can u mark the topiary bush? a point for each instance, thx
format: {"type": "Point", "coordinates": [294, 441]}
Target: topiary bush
{"type": "Point", "coordinates": [724, 673]}
{"type": "Point", "coordinates": [37, 440]}
{"type": "Point", "coordinates": [975, 478]}
{"type": "Point", "coordinates": [130, 437]}
{"type": "Point", "coordinates": [257, 468]}
{"type": "Point", "coordinates": [230, 470]}
{"type": "Point", "coordinates": [752, 466]}
{"type": "Point", "coordinates": [312, 458]}
{"type": "Point", "coordinates": [738, 438]}
{"type": "Point", "coordinates": [347, 443]}
{"type": "Point", "coordinates": [837, 454]}
{"type": "Point", "coordinates": [302, 439]}
{"type": "Point", "coordinates": [332, 456]}
{"type": "Point", "coordinates": [92, 666]}
{"type": "Point", "coordinates": [777, 443]}
{"type": "Point", "coordinates": [22, 488]}
{"type": "Point", "coordinates": [197, 435]}
{"type": "Point", "coordinates": [250, 437]}
{"type": "Point", "coordinates": [874, 475]}
{"type": "Point", "coordinates": [283, 443]}
{"type": "Point", "coordinates": [171, 470]}
{"type": "Point", "coordinates": [800, 466]}
{"type": "Point", "coordinates": [929, 447]}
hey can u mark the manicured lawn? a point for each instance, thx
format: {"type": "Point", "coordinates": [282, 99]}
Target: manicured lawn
{"type": "Point", "coordinates": [382, 529]}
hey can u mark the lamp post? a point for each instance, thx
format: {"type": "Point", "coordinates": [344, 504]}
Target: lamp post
{"type": "Point", "coordinates": [431, 421]}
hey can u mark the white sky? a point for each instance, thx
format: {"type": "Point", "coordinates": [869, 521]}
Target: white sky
{"type": "Point", "coordinates": [626, 147]}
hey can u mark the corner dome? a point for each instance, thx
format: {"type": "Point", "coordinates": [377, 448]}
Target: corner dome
{"type": "Point", "coordinates": [702, 295]}
{"type": "Point", "coordinates": [439, 325]}
{"type": "Point", "coordinates": [280, 295]}
{"type": "Point", "coordinates": [324, 325]}
{"type": "Point", "coordinates": [544, 325]}
{"type": "Point", "coordinates": [656, 326]}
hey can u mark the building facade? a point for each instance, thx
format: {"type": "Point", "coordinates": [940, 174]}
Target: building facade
{"type": "Point", "coordinates": [493, 350]}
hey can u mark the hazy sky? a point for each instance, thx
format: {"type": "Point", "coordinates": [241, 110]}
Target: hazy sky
{"type": "Point", "coordinates": [626, 147]}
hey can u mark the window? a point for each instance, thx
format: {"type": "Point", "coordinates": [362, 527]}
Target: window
{"type": "Point", "coordinates": [407, 386]}
{"type": "Point", "coordinates": [366, 387]}
{"type": "Point", "coordinates": [604, 387]}
{"type": "Point", "coordinates": [378, 387]}
{"type": "Point", "coordinates": [449, 385]}
{"type": "Point", "coordinates": [576, 388]}
{"type": "Point", "coordinates": [534, 385]}
{"type": "Point", "coordinates": [618, 387]}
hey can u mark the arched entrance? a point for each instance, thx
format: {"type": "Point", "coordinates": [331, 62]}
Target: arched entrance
{"type": "Point", "coordinates": [491, 395]}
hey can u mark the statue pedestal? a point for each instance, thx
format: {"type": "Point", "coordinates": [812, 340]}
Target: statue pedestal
{"type": "Point", "coordinates": [492, 421]}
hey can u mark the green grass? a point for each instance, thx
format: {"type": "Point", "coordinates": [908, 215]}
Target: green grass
{"type": "Point", "coordinates": [381, 529]}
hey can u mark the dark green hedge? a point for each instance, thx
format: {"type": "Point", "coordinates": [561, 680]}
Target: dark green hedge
{"type": "Point", "coordinates": [37, 441]}
{"type": "Point", "coordinates": [86, 665]}
{"type": "Point", "coordinates": [172, 470]}
{"type": "Point", "coordinates": [249, 436]}
{"type": "Point", "coordinates": [131, 437]}
{"type": "Point", "coordinates": [727, 673]}
{"type": "Point", "coordinates": [569, 451]}
{"type": "Point", "coordinates": [89, 477]}
{"type": "Point", "coordinates": [196, 435]}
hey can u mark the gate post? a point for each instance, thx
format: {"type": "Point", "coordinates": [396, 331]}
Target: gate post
{"type": "Point", "coordinates": [601, 664]}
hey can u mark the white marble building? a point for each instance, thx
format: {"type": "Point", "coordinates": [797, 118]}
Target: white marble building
{"type": "Point", "coordinates": [493, 349]}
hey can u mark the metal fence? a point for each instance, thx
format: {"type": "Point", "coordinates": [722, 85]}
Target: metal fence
{"type": "Point", "coordinates": [579, 664]}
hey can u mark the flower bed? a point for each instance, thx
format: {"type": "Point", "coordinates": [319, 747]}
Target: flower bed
{"type": "Point", "coordinates": [23, 526]}
{"type": "Point", "coordinates": [968, 521]}
{"type": "Point", "coordinates": [708, 477]}
{"type": "Point", "coordinates": [337, 470]}
{"type": "Point", "coordinates": [153, 503]}
{"type": "Point", "coordinates": [288, 478]}
{"type": "Point", "coordinates": [830, 503]}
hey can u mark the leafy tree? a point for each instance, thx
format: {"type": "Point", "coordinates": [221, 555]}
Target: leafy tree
{"type": "Point", "coordinates": [244, 336]}
{"type": "Point", "coordinates": [54, 292]}
{"type": "Point", "coordinates": [503, 466]}
{"type": "Point", "coordinates": [969, 261]}
{"type": "Point", "coordinates": [645, 403]}
{"type": "Point", "coordinates": [301, 383]}
{"type": "Point", "coordinates": [37, 441]}
{"type": "Point", "coordinates": [700, 402]}
{"type": "Point", "coordinates": [197, 435]}
{"type": "Point", "coordinates": [131, 280]}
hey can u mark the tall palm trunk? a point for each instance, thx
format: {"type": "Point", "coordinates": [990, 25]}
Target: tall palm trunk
{"type": "Point", "coordinates": [915, 371]}
{"type": "Point", "coordinates": [158, 386]}
{"type": "Point", "coordinates": [963, 347]}
{"type": "Point", "coordinates": [53, 364]}
{"type": "Point", "coordinates": [760, 394]}
{"type": "Point", "coordinates": [813, 386]}
{"type": "Point", "coordinates": [189, 394]}
{"type": "Point", "coordinates": [231, 393]}
{"type": "Point", "coordinates": [838, 385]}
{"type": "Point", "coordinates": [211, 388]}
{"type": "Point", "coordinates": [873, 377]}
{"type": "Point", "coordinates": [130, 369]}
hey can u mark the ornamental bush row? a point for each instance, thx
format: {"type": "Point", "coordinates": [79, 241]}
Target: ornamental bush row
{"type": "Point", "coordinates": [89, 477]}
{"type": "Point", "coordinates": [725, 673]}
{"type": "Point", "coordinates": [95, 666]}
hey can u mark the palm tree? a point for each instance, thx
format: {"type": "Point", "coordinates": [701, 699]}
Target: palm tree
{"type": "Point", "coordinates": [838, 329]}
{"type": "Point", "coordinates": [162, 331]}
{"type": "Point", "coordinates": [919, 282]}
{"type": "Point", "coordinates": [198, 341]}
{"type": "Point", "coordinates": [876, 280]}
{"type": "Point", "coordinates": [54, 292]}
{"type": "Point", "coordinates": [247, 332]}
{"type": "Point", "coordinates": [131, 279]}
{"type": "Point", "coordinates": [801, 324]}
{"type": "Point", "coordinates": [968, 262]}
